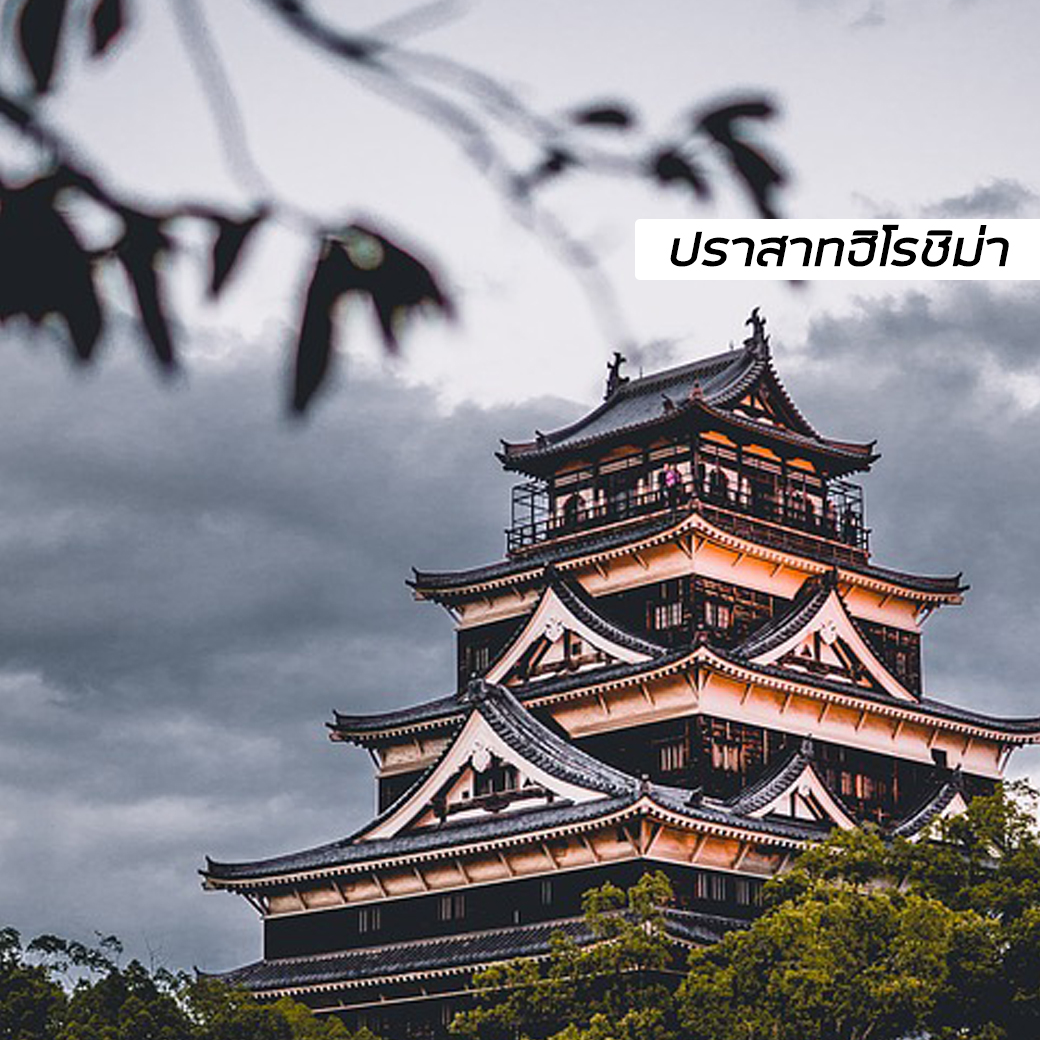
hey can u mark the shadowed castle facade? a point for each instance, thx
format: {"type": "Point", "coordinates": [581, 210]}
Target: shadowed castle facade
{"type": "Point", "coordinates": [687, 662]}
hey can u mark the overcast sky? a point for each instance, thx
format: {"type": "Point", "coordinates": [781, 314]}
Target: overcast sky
{"type": "Point", "coordinates": [191, 584]}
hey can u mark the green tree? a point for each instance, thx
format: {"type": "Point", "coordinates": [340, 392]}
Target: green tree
{"type": "Point", "coordinates": [60, 989]}
{"type": "Point", "coordinates": [612, 987]}
{"type": "Point", "coordinates": [865, 937]}
{"type": "Point", "coordinates": [839, 963]}
{"type": "Point", "coordinates": [30, 1000]}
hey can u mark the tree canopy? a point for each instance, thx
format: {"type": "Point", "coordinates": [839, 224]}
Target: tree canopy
{"type": "Point", "coordinates": [862, 939]}
{"type": "Point", "coordinates": [59, 989]}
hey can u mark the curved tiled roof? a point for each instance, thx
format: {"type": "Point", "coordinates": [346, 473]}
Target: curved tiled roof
{"type": "Point", "coordinates": [532, 564]}
{"type": "Point", "coordinates": [578, 601]}
{"type": "Point", "coordinates": [451, 952]}
{"type": "Point", "coordinates": [932, 808]}
{"type": "Point", "coordinates": [924, 705]}
{"type": "Point", "coordinates": [542, 747]}
{"type": "Point", "coordinates": [713, 385]}
{"type": "Point", "coordinates": [810, 599]}
{"type": "Point", "coordinates": [349, 850]}
{"type": "Point", "coordinates": [445, 709]}
{"type": "Point", "coordinates": [774, 781]}
{"type": "Point", "coordinates": [537, 560]}
{"type": "Point", "coordinates": [639, 401]}
{"type": "Point", "coordinates": [538, 744]}
{"type": "Point", "coordinates": [439, 708]}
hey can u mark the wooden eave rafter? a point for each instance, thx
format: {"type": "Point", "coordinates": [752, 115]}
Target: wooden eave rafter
{"type": "Point", "coordinates": [644, 807]}
{"type": "Point", "coordinates": [896, 710]}
{"type": "Point", "coordinates": [367, 737]}
{"type": "Point", "coordinates": [407, 860]}
{"type": "Point", "coordinates": [382, 980]}
{"type": "Point", "coordinates": [696, 526]}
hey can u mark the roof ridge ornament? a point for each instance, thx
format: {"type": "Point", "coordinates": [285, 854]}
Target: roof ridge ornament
{"type": "Point", "coordinates": [476, 690]}
{"type": "Point", "coordinates": [757, 343]}
{"type": "Point", "coordinates": [615, 380]}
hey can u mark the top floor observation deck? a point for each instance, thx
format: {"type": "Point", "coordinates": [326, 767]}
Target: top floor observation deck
{"type": "Point", "coordinates": [799, 513]}
{"type": "Point", "coordinates": [720, 435]}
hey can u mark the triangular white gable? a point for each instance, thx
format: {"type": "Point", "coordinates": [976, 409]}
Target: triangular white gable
{"type": "Point", "coordinates": [806, 798]}
{"type": "Point", "coordinates": [958, 805]}
{"type": "Point", "coordinates": [472, 751]}
{"type": "Point", "coordinates": [830, 638]}
{"type": "Point", "coordinates": [551, 633]}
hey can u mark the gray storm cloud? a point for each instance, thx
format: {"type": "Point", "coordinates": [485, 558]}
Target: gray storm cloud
{"type": "Point", "coordinates": [190, 585]}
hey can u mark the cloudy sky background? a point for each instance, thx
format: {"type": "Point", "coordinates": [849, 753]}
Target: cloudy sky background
{"type": "Point", "coordinates": [191, 584]}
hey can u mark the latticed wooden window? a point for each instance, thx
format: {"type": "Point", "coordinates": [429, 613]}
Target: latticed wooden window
{"type": "Point", "coordinates": [717, 885]}
{"type": "Point", "coordinates": [700, 885]}
{"type": "Point", "coordinates": [369, 919]}
{"type": "Point", "coordinates": [498, 778]}
{"type": "Point", "coordinates": [666, 616]}
{"type": "Point", "coordinates": [451, 907]}
{"type": "Point", "coordinates": [673, 756]}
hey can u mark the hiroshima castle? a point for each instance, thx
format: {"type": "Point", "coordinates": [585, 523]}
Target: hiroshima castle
{"type": "Point", "coordinates": [687, 661]}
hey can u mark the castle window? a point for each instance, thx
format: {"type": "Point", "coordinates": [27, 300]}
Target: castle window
{"type": "Point", "coordinates": [717, 887]}
{"type": "Point", "coordinates": [700, 885]}
{"type": "Point", "coordinates": [717, 614]}
{"type": "Point", "coordinates": [673, 756]}
{"type": "Point", "coordinates": [546, 892]}
{"type": "Point", "coordinates": [666, 615]}
{"type": "Point", "coordinates": [369, 919]}
{"type": "Point", "coordinates": [451, 907]}
{"type": "Point", "coordinates": [498, 778]}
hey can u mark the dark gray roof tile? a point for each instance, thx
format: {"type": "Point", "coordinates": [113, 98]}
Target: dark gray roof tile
{"type": "Point", "coordinates": [467, 950]}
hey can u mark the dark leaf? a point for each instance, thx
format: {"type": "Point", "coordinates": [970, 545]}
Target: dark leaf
{"type": "Point", "coordinates": [760, 176]}
{"type": "Point", "coordinates": [332, 276]}
{"type": "Point", "coordinates": [39, 33]}
{"type": "Point", "coordinates": [231, 238]}
{"type": "Point", "coordinates": [141, 252]}
{"type": "Point", "coordinates": [614, 116]}
{"type": "Point", "coordinates": [670, 167]}
{"type": "Point", "coordinates": [719, 122]}
{"type": "Point", "coordinates": [363, 262]}
{"type": "Point", "coordinates": [106, 23]}
{"type": "Point", "coordinates": [46, 270]}
{"type": "Point", "coordinates": [399, 286]}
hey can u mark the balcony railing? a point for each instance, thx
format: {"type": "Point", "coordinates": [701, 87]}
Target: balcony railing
{"type": "Point", "coordinates": [836, 516]}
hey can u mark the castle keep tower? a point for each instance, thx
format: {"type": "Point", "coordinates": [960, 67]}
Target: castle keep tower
{"type": "Point", "coordinates": [686, 662]}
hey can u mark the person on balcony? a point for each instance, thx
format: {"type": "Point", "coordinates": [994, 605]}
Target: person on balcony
{"type": "Point", "coordinates": [830, 519]}
{"type": "Point", "coordinates": [849, 525]}
{"type": "Point", "coordinates": [718, 486]}
{"type": "Point", "coordinates": [671, 481]}
{"type": "Point", "coordinates": [572, 511]}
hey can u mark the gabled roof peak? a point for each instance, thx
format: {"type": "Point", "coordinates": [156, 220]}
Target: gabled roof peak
{"type": "Point", "coordinates": [818, 636]}
{"type": "Point", "coordinates": [720, 388]}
